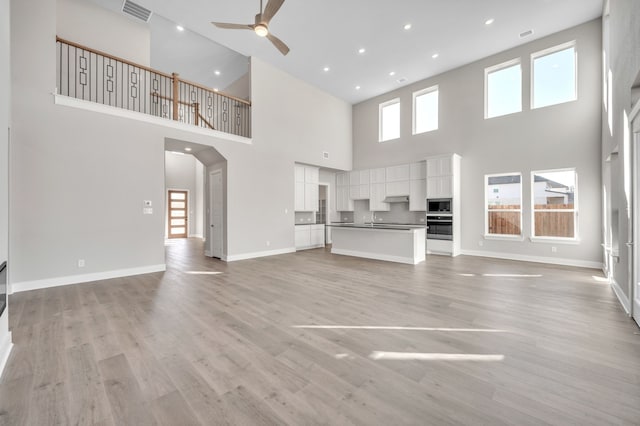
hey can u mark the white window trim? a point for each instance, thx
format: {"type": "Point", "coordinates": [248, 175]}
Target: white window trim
{"type": "Point", "coordinates": [492, 69]}
{"type": "Point", "coordinates": [510, 237]}
{"type": "Point", "coordinates": [380, 108]}
{"type": "Point", "coordinates": [420, 93]}
{"type": "Point", "coordinates": [561, 240]}
{"type": "Point", "coordinates": [547, 52]}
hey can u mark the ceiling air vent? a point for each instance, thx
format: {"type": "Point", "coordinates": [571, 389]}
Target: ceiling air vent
{"type": "Point", "coordinates": [135, 10]}
{"type": "Point", "coordinates": [526, 33]}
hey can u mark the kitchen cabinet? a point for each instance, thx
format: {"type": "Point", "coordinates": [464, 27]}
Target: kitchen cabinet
{"type": "Point", "coordinates": [418, 195]}
{"type": "Point", "coordinates": [342, 179]}
{"type": "Point", "coordinates": [418, 170]}
{"type": "Point", "coordinates": [377, 175]}
{"type": "Point", "coordinates": [344, 203]}
{"type": "Point", "coordinates": [306, 188]}
{"type": "Point", "coordinates": [378, 194]}
{"type": "Point", "coordinates": [398, 173]}
{"type": "Point", "coordinates": [359, 192]}
{"type": "Point", "coordinates": [398, 188]}
{"type": "Point", "coordinates": [440, 177]}
{"type": "Point", "coordinates": [309, 236]}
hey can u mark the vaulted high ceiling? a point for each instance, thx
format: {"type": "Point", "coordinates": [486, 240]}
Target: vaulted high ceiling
{"type": "Point", "coordinates": [329, 33]}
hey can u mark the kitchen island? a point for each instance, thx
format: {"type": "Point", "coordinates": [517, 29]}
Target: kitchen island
{"type": "Point", "coordinates": [394, 243]}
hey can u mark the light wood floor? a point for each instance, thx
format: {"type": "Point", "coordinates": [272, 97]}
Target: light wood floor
{"type": "Point", "coordinates": [188, 346]}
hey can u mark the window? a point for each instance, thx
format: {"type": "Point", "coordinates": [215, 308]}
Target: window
{"type": "Point", "coordinates": [389, 121]}
{"type": "Point", "coordinates": [503, 89]}
{"type": "Point", "coordinates": [503, 200]}
{"type": "Point", "coordinates": [553, 76]}
{"type": "Point", "coordinates": [425, 110]}
{"type": "Point", "coordinates": [555, 207]}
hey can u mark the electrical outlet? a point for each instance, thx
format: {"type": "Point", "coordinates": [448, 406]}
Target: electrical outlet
{"type": "Point", "coordinates": [554, 249]}
{"type": "Point", "coordinates": [80, 263]}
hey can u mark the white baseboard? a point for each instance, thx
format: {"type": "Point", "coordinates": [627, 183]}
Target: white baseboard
{"type": "Point", "coordinates": [5, 351]}
{"type": "Point", "coordinates": [624, 300]}
{"type": "Point", "coordinates": [76, 279]}
{"type": "Point", "coordinates": [195, 235]}
{"type": "Point", "coordinates": [246, 256]}
{"type": "Point", "coordinates": [207, 253]}
{"type": "Point", "coordinates": [536, 259]}
{"type": "Point", "coordinates": [377, 256]}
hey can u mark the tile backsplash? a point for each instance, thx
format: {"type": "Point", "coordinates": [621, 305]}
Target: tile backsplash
{"type": "Point", "coordinates": [398, 213]}
{"type": "Point", "coordinates": [305, 217]}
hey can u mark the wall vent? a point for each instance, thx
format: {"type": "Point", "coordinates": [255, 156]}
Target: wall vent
{"type": "Point", "coordinates": [136, 11]}
{"type": "Point", "coordinates": [526, 33]}
{"type": "Point", "coordinates": [325, 155]}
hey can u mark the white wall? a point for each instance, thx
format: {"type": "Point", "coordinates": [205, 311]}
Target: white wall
{"type": "Point", "coordinates": [5, 116]}
{"type": "Point", "coordinates": [86, 23]}
{"type": "Point", "coordinates": [91, 207]}
{"type": "Point", "coordinates": [560, 136]}
{"type": "Point", "coordinates": [624, 58]}
{"type": "Point", "coordinates": [185, 172]}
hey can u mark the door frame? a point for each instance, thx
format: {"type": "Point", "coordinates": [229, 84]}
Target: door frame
{"type": "Point", "coordinates": [327, 230]}
{"type": "Point", "coordinates": [168, 208]}
{"type": "Point", "coordinates": [634, 252]}
{"type": "Point", "coordinates": [209, 251]}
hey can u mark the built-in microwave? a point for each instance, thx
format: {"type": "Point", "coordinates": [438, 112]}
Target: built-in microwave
{"type": "Point", "coordinates": [439, 205]}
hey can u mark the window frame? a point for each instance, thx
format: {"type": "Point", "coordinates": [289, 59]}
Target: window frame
{"type": "Point", "coordinates": [489, 236]}
{"type": "Point", "coordinates": [550, 239]}
{"type": "Point", "coordinates": [496, 68]}
{"type": "Point", "coordinates": [551, 51]}
{"type": "Point", "coordinates": [416, 95]}
{"type": "Point", "coordinates": [380, 121]}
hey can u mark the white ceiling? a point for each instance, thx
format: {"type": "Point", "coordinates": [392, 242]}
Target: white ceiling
{"type": "Point", "coordinates": [329, 33]}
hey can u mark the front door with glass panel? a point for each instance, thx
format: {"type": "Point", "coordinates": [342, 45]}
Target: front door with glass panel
{"type": "Point", "coordinates": [178, 214]}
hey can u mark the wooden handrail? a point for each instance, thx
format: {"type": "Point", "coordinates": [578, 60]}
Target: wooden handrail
{"type": "Point", "coordinates": [206, 122]}
{"type": "Point", "coordinates": [116, 58]}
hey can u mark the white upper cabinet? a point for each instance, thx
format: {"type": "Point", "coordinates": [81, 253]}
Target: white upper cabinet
{"type": "Point", "coordinates": [440, 166]}
{"type": "Point", "coordinates": [398, 173]}
{"type": "Point", "coordinates": [378, 194]}
{"type": "Point", "coordinates": [306, 188]}
{"type": "Point", "coordinates": [418, 170]}
{"type": "Point", "coordinates": [377, 175]}
{"type": "Point", "coordinates": [342, 179]}
{"type": "Point", "coordinates": [344, 203]}
{"type": "Point", "coordinates": [418, 195]}
{"type": "Point", "coordinates": [440, 179]}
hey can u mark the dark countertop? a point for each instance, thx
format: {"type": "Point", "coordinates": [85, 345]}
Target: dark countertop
{"type": "Point", "coordinates": [393, 227]}
{"type": "Point", "coordinates": [308, 224]}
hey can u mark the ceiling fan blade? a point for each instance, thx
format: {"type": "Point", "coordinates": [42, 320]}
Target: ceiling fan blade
{"type": "Point", "coordinates": [279, 44]}
{"type": "Point", "coordinates": [271, 9]}
{"type": "Point", "coordinates": [228, 26]}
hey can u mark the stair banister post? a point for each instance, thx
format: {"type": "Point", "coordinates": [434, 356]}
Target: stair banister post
{"type": "Point", "coordinates": [176, 94]}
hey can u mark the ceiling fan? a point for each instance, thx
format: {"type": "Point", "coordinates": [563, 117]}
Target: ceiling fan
{"type": "Point", "coordinates": [261, 26]}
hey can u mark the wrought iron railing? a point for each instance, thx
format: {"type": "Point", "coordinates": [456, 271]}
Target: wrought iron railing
{"type": "Point", "coordinates": [95, 76]}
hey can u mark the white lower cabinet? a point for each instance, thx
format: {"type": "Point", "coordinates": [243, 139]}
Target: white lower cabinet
{"type": "Point", "coordinates": [309, 236]}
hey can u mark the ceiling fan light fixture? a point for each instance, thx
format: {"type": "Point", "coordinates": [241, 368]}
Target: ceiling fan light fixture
{"type": "Point", "coordinates": [261, 30]}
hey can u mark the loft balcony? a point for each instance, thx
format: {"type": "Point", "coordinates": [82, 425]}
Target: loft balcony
{"type": "Point", "coordinates": [91, 75]}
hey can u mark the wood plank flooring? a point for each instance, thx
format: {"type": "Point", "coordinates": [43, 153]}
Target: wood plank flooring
{"type": "Point", "coordinates": [313, 338]}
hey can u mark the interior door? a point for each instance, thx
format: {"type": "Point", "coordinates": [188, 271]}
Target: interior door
{"type": "Point", "coordinates": [215, 213]}
{"type": "Point", "coordinates": [634, 246]}
{"type": "Point", "coordinates": [178, 220]}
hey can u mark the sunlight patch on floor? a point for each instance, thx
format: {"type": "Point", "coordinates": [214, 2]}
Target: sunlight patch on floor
{"type": "Point", "coordinates": [428, 356]}
{"type": "Point", "coordinates": [375, 327]}
{"type": "Point", "coordinates": [202, 272]}
{"type": "Point", "coordinates": [503, 275]}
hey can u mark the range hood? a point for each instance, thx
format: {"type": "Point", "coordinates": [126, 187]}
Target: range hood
{"type": "Point", "coordinates": [402, 199]}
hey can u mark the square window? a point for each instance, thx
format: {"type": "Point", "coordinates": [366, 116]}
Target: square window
{"type": "Point", "coordinates": [553, 76]}
{"type": "Point", "coordinates": [503, 205]}
{"type": "Point", "coordinates": [425, 110]}
{"type": "Point", "coordinates": [389, 120]}
{"type": "Point", "coordinates": [503, 89]}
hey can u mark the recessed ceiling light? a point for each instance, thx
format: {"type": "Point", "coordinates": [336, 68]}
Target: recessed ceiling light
{"type": "Point", "coordinates": [187, 149]}
{"type": "Point", "coordinates": [392, 73]}
{"type": "Point", "coordinates": [362, 50]}
{"type": "Point", "coordinates": [407, 27]}
{"type": "Point", "coordinates": [489, 21]}
{"type": "Point", "coordinates": [435, 55]}
{"type": "Point", "coordinates": [179, 28]}
{"type": "Point", "coordinates": [326, 69]}
{"type": "Point", "coordinates": [357, 87]}
{"type": "Point", "coordinates": [216, 72]}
